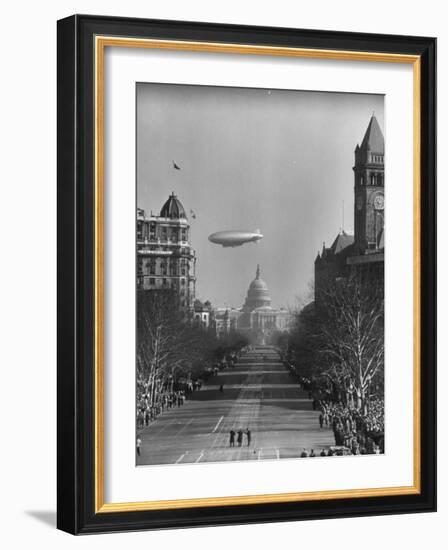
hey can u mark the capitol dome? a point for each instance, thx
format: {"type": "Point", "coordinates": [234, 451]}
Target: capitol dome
{"type": "Point", "coordinates": [173, 208]}
{"type": "Point", "coordinates": [258, 294]}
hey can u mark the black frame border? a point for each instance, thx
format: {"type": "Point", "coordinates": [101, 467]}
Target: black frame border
{"type": "Point", "coordinates": [76, 261]}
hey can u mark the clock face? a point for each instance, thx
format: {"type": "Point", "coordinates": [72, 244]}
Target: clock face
{"type": "Point", "coordinates": [378, 202]}
{"type": "Point", "coordinates": [359, 202]}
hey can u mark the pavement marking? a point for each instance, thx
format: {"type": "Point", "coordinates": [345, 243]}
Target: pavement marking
{"type": "Point", "coordinates": [251, 373]}
{"type": "Point", "coordinates": [217, 425]}
{"type": "Point", "coordinates": [253, 402]}
{"type": "Point", "coordinates": [254, 386]}
{"type": "Point", "coordinates": [183, 426]}
{"type": "Point", "coordinates": [200, 456]}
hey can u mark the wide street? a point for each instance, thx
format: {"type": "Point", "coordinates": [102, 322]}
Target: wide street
{"type": "Point", "coordinates": [258, 394]}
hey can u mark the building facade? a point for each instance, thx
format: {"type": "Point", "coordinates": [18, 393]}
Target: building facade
{"type": "Point", "coordinates": [203, 314]}
{"type": "Point", "coordinates": [257, 319]}
{"type": "Point", "coordinates": [362, 253]}
{"type": "Point", "coordinates": [369, 191]}
{"type": "Point", "coordinates": [165, 258]}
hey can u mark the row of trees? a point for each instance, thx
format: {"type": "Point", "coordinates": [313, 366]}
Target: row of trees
{"type": "Point", "coordinates": [338, 341]}
{"type": "Point", "coordinates": [170, 347]}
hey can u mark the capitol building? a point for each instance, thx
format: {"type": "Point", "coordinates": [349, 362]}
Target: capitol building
{"type": "Point", "coordinates": [257, 319]}
{"type": "Point", "coordinates": [166, 262]}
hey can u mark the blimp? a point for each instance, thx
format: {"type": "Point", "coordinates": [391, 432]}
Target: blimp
{"type": "Point", "coordinates": [235, 238]}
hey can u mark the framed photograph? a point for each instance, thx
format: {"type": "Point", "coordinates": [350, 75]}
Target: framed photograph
{"type": "Point", "coordinates": [246, 274]}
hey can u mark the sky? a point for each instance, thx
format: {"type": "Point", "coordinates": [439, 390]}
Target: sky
{"type": "Point", "coordinates": [275, 160]}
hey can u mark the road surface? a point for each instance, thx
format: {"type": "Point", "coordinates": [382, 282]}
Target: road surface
{"type": "Point", "coordinates": [259, 394]}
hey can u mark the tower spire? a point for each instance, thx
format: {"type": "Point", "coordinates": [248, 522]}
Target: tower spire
{"type": "Point", "coordinates": [258, 271]}
{"type": "Point", "coordinates": [369, 184]}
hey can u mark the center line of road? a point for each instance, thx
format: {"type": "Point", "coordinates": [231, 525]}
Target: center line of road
{"type": "Point", "coordinates": [278, 453]}
{"type": "Point", "coordinates": [218, 423]}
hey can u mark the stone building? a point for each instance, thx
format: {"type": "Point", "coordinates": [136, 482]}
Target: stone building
{"type": "Point", "coordinates": [257, 319]}
{"type": "Point", "coordinates": [225, 320]}
{"type": "Point", "coordinates": [360, 254]}
{"type": "Point", "coordinates": [203, 314]}
{"type": "Point", "coordinates": [369, 191]}
{"type": "Point", "coordinates": [165, 258]}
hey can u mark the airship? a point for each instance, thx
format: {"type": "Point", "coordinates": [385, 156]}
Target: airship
{"type": "Point", "coordinates": [235, 238]}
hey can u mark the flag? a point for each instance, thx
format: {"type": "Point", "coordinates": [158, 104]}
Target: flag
{"type": "Point", "coordinates": [193, 215]}
{"type": "Point", "coordinates": [175, 166]}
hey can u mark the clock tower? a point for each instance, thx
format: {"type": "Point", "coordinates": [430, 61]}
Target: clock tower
{"type": "Point", "coordinates": [369, 190]}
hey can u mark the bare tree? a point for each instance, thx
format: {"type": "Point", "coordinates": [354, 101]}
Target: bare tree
{"type": "Point", "coordinates": [351, 321]}
{"type": "Point", "coordinates": [169, 346]}
{"type": "Point", "coordinates": [157, 320]}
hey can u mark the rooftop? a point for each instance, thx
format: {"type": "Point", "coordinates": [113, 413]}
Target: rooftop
{"type": "Point", "coordinates": [173, 208]}
{"type": "Point", "coordinates": [373, 139]}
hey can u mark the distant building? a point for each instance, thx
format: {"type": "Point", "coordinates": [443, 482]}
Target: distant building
{"type": "Point", "coordinates": [203, 314]}
{"type": "Point", "coordinates": [257, 319]}
{"type": "Point", "coordinates": [361, 254]}
{"type": "Point", "coordinates": [331, 263]}
{"type": "Point", "coordinates": [165, 258]}
{"type": "Point", "coordinates": [226, 320]}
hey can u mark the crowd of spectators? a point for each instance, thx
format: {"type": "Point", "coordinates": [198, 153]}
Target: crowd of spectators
{"type": "Point", "coordinates": [359, 432]}
{"type": "Point", "coordinates": [355, 431]}
{"type": "Point", "coordinates": [173, 393]}
{"type": "Point", "coordinates": [148, 412]}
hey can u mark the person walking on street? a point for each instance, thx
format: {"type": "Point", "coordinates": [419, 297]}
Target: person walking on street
{"type": "Point", "coordinates": [321, 420]}
{"type": "Point", "coordinates": [249, 436]}
{"type": "Point", "coordinates": [240, 437]}
{"type": "Point", "coordinates": [232, 438]}
{"type": "Point", "coordinates": [139, 444]}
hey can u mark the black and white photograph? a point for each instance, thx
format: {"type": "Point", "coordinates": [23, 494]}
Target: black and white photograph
{"type": "Point", "coordinates": [260, 274]}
